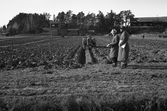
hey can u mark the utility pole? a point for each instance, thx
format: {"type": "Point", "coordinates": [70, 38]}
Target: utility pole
{"type": "Point", "coordinates": [31, 20]}
{"type": "Point", "coordinates": [50, 29]}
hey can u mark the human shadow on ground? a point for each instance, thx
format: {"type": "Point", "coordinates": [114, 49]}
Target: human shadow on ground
{"type": "Point", "coordinates": [155, 67]}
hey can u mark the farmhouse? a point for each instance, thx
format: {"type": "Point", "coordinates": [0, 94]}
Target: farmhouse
{"type": "Point", "coordinates": [147, 24]}
{"type": "Point", "coordinates": [54, 24]}
{"type": "Point", "coordinates": [57, 28]}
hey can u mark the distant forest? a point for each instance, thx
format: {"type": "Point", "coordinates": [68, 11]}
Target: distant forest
{"type": "Point", "coordinates": [25, 23]}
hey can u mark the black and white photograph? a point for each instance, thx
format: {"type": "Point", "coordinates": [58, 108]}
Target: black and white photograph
{"type": "Point", "coordinates": [83, 55]}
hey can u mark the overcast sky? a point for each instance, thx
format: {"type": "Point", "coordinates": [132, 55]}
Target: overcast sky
{"type": "Point", "coordinates": [140, 8]}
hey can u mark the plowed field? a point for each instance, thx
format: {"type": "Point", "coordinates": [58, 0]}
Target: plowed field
{"type": "Point", "coordinates": [43, 73]}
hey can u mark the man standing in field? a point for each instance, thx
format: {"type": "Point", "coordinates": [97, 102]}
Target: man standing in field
{"type": "Point", "coordinates": [114, 48]}
{"type": "Point", "coordinates": [123, 53]}
{"type": "Point", "coordinates": [88, 42]}
{"type": "Point", "coordinates": [91, 42]}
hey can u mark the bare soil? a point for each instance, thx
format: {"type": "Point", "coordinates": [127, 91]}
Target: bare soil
{"type": "Point", "coordinates": [142, 80]}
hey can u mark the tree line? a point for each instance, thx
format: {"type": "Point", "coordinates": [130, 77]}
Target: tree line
{"type": "Point", "coordinates": [24, 23]}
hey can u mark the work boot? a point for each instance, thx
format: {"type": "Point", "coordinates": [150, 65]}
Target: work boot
{"type": "Point", "coordinates": [123, 66]}
{"type": "Point", "coordinates": [114, 65]}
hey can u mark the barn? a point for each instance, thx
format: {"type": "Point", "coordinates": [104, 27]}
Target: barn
{"type": "Point", "coordinates": [57, 28]}
{"type": "Point", "coordinates": [73, 32]}
{"type": "Point", "coordinates": [149, 24]}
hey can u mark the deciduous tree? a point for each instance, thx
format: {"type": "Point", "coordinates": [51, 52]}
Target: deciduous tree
{"type": "Point", "coordinates": [101, 23]}
{"type": "Point", "coordinates": [110, 20]}
{"type": "Point", "coordinates": [126, 16]}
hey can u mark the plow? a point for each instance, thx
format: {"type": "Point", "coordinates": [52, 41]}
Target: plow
{"type": "Point", "coordinates": [89, 51]}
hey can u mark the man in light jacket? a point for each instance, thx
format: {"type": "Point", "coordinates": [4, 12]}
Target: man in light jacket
{"type": "Point", "coordinates": [123, 53]}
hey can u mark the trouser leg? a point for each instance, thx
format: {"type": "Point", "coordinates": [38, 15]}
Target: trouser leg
{"type": "Point", "coordinates": [123, 64]}
{"type": "Point", "coordinates": [114, 61]}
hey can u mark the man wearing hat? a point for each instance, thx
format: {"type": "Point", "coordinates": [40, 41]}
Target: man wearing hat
{"type": "Point", "coordinates": [123, 53]}
{"type": "Point", "coordinates": [114, 48]}
{"type": "Point", "coordinates": [91, 42]}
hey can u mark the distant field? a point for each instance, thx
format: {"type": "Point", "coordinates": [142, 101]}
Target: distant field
{"type": "Point", "coordinates": [7, 42]}
{"type": "Point", "coordinates": [36, 51]}
{"type": "Point", "coordinates": [40, 73]}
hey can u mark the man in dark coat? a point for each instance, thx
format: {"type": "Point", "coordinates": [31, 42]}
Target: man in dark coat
{"type": "Point", "coordinates": [114, 48]}
{"type": "Point", "coordinates": [91, 42]}
{"type": "Point", "coordinates": [123, 53]}
{"type": "Point", "coordinates": [88, 42]}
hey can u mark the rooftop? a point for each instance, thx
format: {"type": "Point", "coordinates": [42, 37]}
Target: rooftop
{"type": "Point", "coordinates": [151, 19]}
